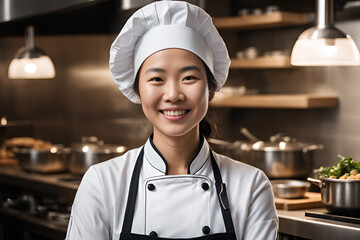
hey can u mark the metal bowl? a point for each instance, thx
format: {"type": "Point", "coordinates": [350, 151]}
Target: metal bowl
{"type": "Point", "coordinates": [288, 188]}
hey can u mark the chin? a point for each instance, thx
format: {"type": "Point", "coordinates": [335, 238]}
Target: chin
{"type": "Point", "coordinates": [178, 132]}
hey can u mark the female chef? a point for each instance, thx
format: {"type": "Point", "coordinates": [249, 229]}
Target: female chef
{"type": "Point", "coordinates": [170, 58]}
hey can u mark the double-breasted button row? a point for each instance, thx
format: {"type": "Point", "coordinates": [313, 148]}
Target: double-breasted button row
{"type": "Point", "coordinates": [205, 230]}
{"type": "Point", "coordinates": [151, 186]}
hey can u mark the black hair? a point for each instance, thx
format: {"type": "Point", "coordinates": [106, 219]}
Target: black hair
{"type": "Point", "coordinates": [205, 125]}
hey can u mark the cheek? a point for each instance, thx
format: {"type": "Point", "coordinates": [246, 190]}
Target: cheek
{"type": "Point", "coordinates": [200, 96]}
{"type": "Point", "coordinates": [148, 97]}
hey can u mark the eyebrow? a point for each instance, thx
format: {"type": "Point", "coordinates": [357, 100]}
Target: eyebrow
{"type": "Point", "coordinates": [184, 69]}
{"type": "Point", "coordinates": [155, 70]}
{"type": "Point", "coordinates": [189, 68]}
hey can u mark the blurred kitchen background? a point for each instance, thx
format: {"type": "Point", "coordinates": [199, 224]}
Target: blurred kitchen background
{"type": "Point", "coordinates": [83, 100]}
{"type": "Point", "coordinates": [36, 192]}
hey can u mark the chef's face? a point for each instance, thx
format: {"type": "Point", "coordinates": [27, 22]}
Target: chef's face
{"type": "Point", "coordinates": [174, 91]}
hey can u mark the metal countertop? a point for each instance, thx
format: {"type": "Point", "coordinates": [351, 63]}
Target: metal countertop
{"type": "Point", "coordinates": [295, 223]}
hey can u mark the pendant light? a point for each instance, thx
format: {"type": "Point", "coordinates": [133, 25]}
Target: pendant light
{"type": "Point", "coordinates": [323, 44]}
{"type": "Point", "coordinates": [31, 62]}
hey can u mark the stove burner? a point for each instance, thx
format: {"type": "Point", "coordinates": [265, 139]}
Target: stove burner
{"type": "Point", "coordinates": [332, 216]}
{"type": "Point", "coordinates": [54, 211]}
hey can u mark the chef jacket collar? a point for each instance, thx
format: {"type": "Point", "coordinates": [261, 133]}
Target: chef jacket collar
{"type": "Point", "coordinates": [157, 160]}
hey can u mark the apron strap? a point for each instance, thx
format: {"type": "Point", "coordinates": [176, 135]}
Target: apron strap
{"type": "Point", "coordinates": [222, 196]}
{"type": "Point", "coordinates": [220, 189]}
{"type": "Point", "coordinates": [134, 184]}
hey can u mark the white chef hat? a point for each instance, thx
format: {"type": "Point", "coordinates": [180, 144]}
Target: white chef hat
{"type": "Point", "coordinates": [162, 25]}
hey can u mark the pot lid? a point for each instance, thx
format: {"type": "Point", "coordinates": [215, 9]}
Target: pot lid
{"type": "Point", "coordinates": [93, 144]}
{"type": "Point", "coordinates": [279, 142]}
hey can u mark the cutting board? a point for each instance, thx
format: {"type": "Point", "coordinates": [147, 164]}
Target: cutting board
{"type": "Point", "coordinates": [311, 200]}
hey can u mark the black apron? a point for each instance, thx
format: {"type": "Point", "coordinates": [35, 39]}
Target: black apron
{"type": "Point", "coordinates": [221, 193]}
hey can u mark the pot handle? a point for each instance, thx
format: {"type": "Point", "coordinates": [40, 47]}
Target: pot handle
{"type": "Point", "coordinates": [313, 147]}
{"type": "Point", "coordinates": [317, 182]}
{"type": "Point", "coordinates": [249, 135]}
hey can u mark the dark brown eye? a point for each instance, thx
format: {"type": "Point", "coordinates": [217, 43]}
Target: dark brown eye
{"type": "Point", "coordinates": [190, 78]}
{"type": "Point", "coordinates": [157, 79]}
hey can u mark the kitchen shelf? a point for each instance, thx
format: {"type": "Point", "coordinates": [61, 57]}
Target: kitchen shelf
{"type": "Point", "coordinates": [267, 20]}
{"type": "Point", "coordinates": [261, 62]}
{"type": "Point", "coordinates": [290, 101]}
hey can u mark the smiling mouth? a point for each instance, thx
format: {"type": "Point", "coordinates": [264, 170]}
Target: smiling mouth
{"type": "Point", "coordinates": [175, 113]}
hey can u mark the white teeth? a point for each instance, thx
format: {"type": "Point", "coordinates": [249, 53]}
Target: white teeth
{"type": "Point", "coordinates": [174, 113]}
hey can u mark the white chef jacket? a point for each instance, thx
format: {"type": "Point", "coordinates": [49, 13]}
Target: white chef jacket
{"type": "Point", "coordinates": [180, 210]}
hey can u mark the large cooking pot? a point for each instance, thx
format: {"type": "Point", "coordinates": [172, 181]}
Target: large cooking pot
{"type": "Point", "coordinates": [280, 157]}
{"type": "Point", "coordinates": [340, 196]}
{"type": "Point", "coordinates": [43, 160]}
{"type": "Point", "coordinates": [283, 157]}
{"type": "Point", "coordinates": [91, 151]}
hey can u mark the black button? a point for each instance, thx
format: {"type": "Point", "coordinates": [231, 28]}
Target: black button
{"type": "Point", "coordinates": [206, 229]}
{"type": "Point", "coordinates": [205, 186]}
{"type": "Point", "coordinates": [153, 234]}
{"type": "Point", "coordinates": [151, 187]}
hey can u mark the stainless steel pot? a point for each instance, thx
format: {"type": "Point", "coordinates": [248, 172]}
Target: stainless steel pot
{"type": "Point", "coordinates": [283, 159]}
{"type": "Point", "coordinates": [280, 157]}
{"type": "Point", "coordinates": [43, 160]}
{"type": "Point", "coordinates": [339, 196]}
{"type": "Point", "coordinates": [91, 151]}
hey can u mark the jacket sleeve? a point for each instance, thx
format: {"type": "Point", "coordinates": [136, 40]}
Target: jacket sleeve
{"type": "Point", "coordinates": [88, 215]}
{"type": "Point", "coordinates": [262, 220]}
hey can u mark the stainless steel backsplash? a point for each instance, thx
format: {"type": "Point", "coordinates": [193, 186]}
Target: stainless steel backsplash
{"type": "Point", "coordinates": [83, 99]}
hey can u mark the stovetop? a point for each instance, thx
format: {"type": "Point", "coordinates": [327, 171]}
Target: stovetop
{"type": "Point", "coordinates": [325, 214]}
{"type": "Point", "coordinates": [51, 210]}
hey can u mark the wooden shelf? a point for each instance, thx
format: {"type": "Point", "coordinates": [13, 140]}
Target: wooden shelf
{"type": "Point", "coordinates": [291, 101]}
{"type": "Point", "coordinates": [261, 62]}
{"type": "Point", "coordinates": [267, 20]}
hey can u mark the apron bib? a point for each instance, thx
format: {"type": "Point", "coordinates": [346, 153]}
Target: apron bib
{"type": "Point", "coordinates": [222, 197]}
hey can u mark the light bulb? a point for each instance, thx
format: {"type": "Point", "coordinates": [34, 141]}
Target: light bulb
{"type": "Point", "coordinates": [30, 68]}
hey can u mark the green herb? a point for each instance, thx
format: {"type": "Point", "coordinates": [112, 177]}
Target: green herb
{"type": "Point", "coordinates": [344, 166]}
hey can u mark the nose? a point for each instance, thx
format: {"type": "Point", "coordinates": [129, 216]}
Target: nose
{"type": "Point", "coordinates": [173, 92]}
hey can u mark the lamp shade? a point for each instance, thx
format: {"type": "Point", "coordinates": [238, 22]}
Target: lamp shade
{"type": "Point", "coordinates": [324, 44]}
{"type": "Point", "coordinates": [340, 51]}
{"type": "Point", "coordinates": [39, 67]}
{"type": "Point", "coordinates": [31, 62]}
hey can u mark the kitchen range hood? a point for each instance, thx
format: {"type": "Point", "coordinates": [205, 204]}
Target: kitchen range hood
{"type": "Point", "coordinates": [14, 10]}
